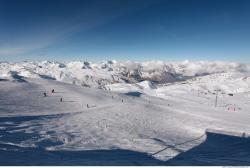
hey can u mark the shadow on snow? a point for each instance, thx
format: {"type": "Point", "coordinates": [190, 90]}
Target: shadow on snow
{"type": "Point", "coordinates": [135, 94]}
{"type": "Point", "coordinates": [217, 149]}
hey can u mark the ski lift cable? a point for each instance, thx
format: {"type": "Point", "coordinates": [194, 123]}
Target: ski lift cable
{"type": "Point", "coordinates": [172, 146]}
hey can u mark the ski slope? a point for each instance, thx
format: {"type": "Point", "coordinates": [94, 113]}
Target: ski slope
{"type": "Point", "coordinates": [139, 123]}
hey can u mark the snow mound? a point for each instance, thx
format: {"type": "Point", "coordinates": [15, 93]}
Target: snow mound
{"type": "Point", "coordinates": [147, 85]}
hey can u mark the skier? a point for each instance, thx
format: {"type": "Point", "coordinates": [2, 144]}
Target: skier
{"type": "Point", "coordinates": [122, 100]}
{"type": "Point", "coordinates": [61, 99]}
{"type": "Point", "coordinates": [44, 94]}
{"type": "Point", "coordinates": [53, 91]}
{"type": "Point", "coordinates": [87, 105]}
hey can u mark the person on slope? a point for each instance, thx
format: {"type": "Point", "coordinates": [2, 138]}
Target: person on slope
{"type": "Point", "coordinates": [53, 91]}
{"type": "Point", "coordinates": [61, 99]}
{"type": "Point", "coordinates": [45, 94]}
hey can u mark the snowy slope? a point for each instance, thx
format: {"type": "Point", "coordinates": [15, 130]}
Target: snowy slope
{"type": "Point", "coordinates": [141, 116]}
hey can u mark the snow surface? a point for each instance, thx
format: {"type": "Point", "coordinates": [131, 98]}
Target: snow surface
{"type": "Point", "coordinates": [144, 113]}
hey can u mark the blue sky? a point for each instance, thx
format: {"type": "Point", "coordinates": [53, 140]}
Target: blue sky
{"type": "Point", "coordinates": [139, 30]}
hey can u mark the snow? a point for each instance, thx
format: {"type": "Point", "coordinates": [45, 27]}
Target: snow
{"type": "Point", "coordinates": [155, 121]}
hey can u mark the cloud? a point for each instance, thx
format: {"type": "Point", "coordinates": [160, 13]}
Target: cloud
{"type": "Point", "coordinates": [53, 30]}
{"type": "Point", "coordinates": [12, 51]}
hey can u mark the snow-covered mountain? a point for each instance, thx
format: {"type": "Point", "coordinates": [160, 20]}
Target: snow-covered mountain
{"type": "Point", "coordinates": [228, 77]}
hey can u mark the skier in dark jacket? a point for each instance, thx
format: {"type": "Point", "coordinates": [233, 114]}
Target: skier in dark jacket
{"type": "Point", "coordinates": [53, 91]}
{"type": "Point", "coordinates": [44, 94]}
{"type": "Point", "coordinates": [61, 99]}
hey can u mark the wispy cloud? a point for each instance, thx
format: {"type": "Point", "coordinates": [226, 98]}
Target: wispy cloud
{"type": "Point", "coordinates": [12, 51]}
{"type": "Point", "coordinates": [54, 30]}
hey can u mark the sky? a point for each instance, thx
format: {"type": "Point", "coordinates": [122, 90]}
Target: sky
{"type": "Point", "coordinates": [140, 30]}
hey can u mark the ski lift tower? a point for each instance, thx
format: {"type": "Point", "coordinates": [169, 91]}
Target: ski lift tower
{"type": "Point", "coordinates": [216, 97]}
